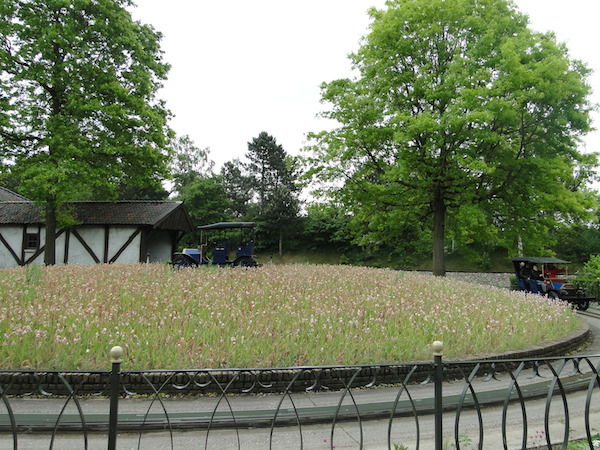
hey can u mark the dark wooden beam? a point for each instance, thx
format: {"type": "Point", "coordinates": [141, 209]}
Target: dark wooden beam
{"type": "Point", "coordinates": [106, 233]}
{"type": "Point", "coordinates": [66, 252]}
{"type": "Point", "coordinates": [11, 251]}
{"type": "Point", "coordinates": [125, 245]}
{"type": "Point", "coordinates": [86, 246]}
{"type": "Point", "coordinates": [144, 244]}
{"type": "Point", "coordinates": [23, 240]}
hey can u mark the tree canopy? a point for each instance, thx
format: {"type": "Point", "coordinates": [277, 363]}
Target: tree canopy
{"type": "Point", "coordinates": [188, 162]}
{"type": "Point", "coordinates": [461, 119]}
{"type": "Point", "coordinates": [238, 186]}
{"type": "Point", "coordinates": [80, 117]}
{"type": "Point", "coordinates": [195, 183]}
{"type": "Point", "coordinates": [272, 175]}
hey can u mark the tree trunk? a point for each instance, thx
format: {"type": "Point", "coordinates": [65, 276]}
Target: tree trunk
{"type": "Point", "coordinates": [50, 241]}
{"type": "Point", "coordinates": [280, 242]}
{"type": "Point", "coordinates": [439, 229]}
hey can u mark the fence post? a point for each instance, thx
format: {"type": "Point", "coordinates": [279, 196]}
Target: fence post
{"type": "Point", "coordinates": [116, 353]}
{"type": "Point", "coordinates": [438, 379]}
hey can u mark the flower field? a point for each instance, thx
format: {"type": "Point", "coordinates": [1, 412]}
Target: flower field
{"type": "Point", "coordinates": [68, 317]}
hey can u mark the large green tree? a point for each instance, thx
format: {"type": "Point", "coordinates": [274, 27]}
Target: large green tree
{"type": "Point", "coordinates": [459, 111]}
{"type": "Point", "coordinates": [238, 186]}
{"type": "Point", "coordinates": [273, 174]}
{"type": "Point", "coordinates": [80, 117]}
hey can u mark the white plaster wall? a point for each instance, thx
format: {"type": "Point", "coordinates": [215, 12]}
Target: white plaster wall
{"type": "Point", "coordinates": [116, 238]}
{"type": "Point", "coordinates": [59, 249]}
{"type": "Point", "coordinates": [94, 238]}
{"type": "Point", "coordinates": [38, 260]}
{"type": "Point", "coordinates": [159, 246]}
{"type": "Point", "coordinates": [14, 236]}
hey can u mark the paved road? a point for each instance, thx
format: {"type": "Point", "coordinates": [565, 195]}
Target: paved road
{"type": "Point", "coordinates": [346, 435]}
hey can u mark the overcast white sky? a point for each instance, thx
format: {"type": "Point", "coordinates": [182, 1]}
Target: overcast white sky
{"type": "Point", "coordinates": [240, 67]}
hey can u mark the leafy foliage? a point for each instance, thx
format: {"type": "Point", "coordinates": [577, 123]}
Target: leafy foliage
{"type": "Point", "coordinates": [153, 192]}
{"type": "Point", "coordinates": [592, 266]}
{"type": "Point", "coordinates": [206, 202]}
{"type": "Point", "coordinates": [79, 116]}
{"type": "Point", "coordinates": [195, 183]}
{"type": "Point", "coordinates": [238, 187]}
{"type": "Point", "coordinates": [576, 242]}
{"type": "Point", "coordinates": [460, 116]}
{"type": "Point", "coordinates": [272, 175]}
{"type": "Point", "coordinates": [325, 225]}
{"type": "Point", "coordinates": [589, 276]}
{"type": "Point", "coordinates": [188, 162]}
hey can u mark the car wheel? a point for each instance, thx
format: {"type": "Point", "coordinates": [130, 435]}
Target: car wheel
{"type": "Point", "coordinates": [180, 261]}
{"type": "Point", "coordinates": [582, 306]}
{"type": "Point", "coordinates": [244, 261]}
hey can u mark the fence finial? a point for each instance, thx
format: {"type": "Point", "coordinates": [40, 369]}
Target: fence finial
{"type": "Point", "coordinates": [116, 354]}
{"type": "Point", "coordinates": [438, 348]}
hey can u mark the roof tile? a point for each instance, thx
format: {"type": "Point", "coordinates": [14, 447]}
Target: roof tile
{"type": "Point", "coordinates": [151, 213]}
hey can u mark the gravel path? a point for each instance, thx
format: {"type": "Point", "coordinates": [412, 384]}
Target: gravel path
{"type": "Point", "coordinates": [491, 279]}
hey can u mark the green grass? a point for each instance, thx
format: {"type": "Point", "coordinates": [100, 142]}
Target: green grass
{"type": "Point", "coordinates": [499, 260]}
{"type": "Point", "coordinates": [301, 257]}
{"type": "Point", "coordinates": [68, 317]}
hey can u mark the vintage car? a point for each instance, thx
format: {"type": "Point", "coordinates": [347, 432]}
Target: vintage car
{"type": "Point", "coordinates": [549, 276]}
{"type": "Point", "coordinates": [217, 250]}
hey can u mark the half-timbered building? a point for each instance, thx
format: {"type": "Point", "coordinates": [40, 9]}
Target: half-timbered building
{"type": "Point", "coordinates": [106, 232]}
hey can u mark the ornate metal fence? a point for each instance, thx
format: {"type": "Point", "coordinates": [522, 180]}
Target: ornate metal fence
{"type": "Point", "coordinates": [476, 404]}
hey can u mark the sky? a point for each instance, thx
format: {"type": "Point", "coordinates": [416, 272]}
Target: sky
{"type": "Point", "coordinates": [240, 67]}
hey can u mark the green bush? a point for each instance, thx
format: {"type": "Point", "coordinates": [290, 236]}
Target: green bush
{"type": "Point", "coordinates": [589, 276]}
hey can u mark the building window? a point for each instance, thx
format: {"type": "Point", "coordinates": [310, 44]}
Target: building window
{"type": "Point", "coordinates": [32, 241]}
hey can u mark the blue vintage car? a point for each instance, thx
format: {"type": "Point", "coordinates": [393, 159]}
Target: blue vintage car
{"type": "Point", "coordinates": [219, 252]}
{"type": "Point", "coordinates": [549, 276]}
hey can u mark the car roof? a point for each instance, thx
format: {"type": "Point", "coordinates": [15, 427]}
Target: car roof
{"type": "Point", "coordinates": [540, 260]}
{"type": "Point", "coordinates": [225, 225]}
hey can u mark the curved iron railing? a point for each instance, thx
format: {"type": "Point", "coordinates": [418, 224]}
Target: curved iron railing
{"type": "Point", "coordinates": [492, 404]}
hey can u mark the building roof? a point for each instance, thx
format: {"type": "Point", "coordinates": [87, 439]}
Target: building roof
{"type": "Point", "coordinates": [168, 215]}
{"type": "Point", "coordinates": [540, 260]}
{"type": "Point", "coordinates": [224, 225]}
{"type": "Point", "coordinates": [6, 195]}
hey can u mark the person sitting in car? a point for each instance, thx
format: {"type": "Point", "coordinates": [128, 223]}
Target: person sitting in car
{"type": "Point", "coordinates": [524, 271]}
{"type": "Point", "coordinates": [537, 276]}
